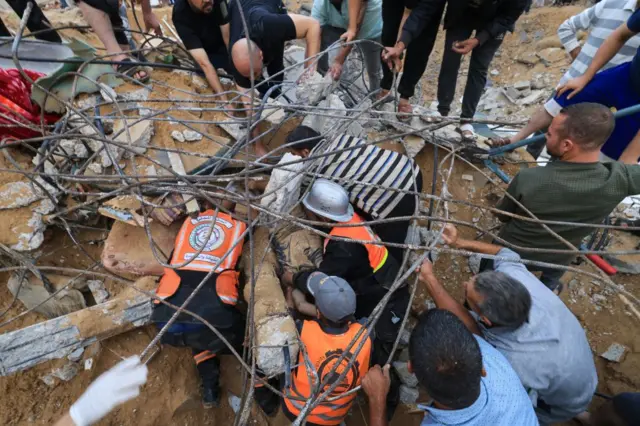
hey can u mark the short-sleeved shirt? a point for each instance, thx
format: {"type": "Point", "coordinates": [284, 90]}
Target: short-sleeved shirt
{"type": "Point", "coordinates": [634, 25]}
{"type": "Point", "coordinates": [502, 401]}
{"type": "Point", "coordinates": [550, 352]}
{"type": "Point", "coordinates": [199, 30]}
{"type": "Point", "coordinates": [269, 27]}
{"type": "Point", "coordinates": [564, 191]}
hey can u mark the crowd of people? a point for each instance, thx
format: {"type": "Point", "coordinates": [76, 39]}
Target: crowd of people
{"type": "Point", "coordinates": [511, 353]}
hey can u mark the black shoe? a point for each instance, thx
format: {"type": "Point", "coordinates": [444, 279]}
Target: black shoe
{"type": "Point", "coordinates": [210, 395]}
{"type": "Point", "coordinates": [268, 401]}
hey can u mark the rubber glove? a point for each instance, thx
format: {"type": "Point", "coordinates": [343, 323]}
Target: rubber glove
{"type": "Point", "coordinates": [112, 388]}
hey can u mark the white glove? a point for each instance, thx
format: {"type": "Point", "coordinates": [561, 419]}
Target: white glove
{"type": "Point", "coordinates": [112, 388]}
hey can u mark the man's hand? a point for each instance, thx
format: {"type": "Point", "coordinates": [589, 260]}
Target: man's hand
{"type": "Point", "coordinates": [376, 384]}
{"type": "Point", "coordinates": [450, 235]}
{"type": "Point", "coordinates": [151, 23]}
{"type": "Point", "coordinates": [349, 35]}
{"type": "Point", "coordinates": [575, 52]}
{"type": "Point", "coordinates": [465, 46]}
{"type": "Point", "coordinates": [336, 70]}
{"type": "Point", "coordinates": [575, 86]}
{"type": "Point", "coordinates": [393, 56]}
{"type": "Point", "coordinates": [287, 278]}
{"type": "Point", "coordinates": [426, 271]}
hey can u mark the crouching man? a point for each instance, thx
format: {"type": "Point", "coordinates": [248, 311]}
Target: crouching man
{"type": "Point", "coordinates": [207, 248]}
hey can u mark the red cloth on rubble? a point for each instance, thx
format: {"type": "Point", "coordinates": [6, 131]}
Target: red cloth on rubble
{"type": "Point", "coordinates": [16, 104]}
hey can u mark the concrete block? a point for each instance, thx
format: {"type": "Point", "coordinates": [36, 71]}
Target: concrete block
{"type": "Point", "coordinates": [533, 98]}
{"type": "Point", "coordinates": [17, 194]}
{"type": "Point", "coordinates": [406, 377]}
{"type": "Point", "coordinates": [614, 353]}
{"type": "Point", "coordinates": [33, 295]}
{"type": "Point", "coordinates": [99, 291]}
{"type": "Point", "coordinates": [413, 145]}
{"type": "Point", "coordinates": [522, 85]}
{"type": "Point", "coordinates": [408, 395]}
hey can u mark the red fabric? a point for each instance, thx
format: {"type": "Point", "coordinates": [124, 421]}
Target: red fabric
{"type": "Point", "coordinates": [15, 102]}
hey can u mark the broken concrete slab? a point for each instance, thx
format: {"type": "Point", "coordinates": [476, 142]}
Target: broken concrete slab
{"type": "Point", "coordinates": [127, 249]}
{"type": "Point", "coordinates": [30, 234]}
{"type": "Point", "coordinates": [57, 338]}
{"type": "Point", "coordinates": [522, 85]}
{"type": "Point", "coordinates": [17, 194]}
{"type": "Point", "coordinates": [535, 97]}
{"type": "Point", "coordinates": [314, 88]}
{"type": "Point", "coordinates": [66, 372]}
{"type": "Point", "coordinates": [413, 144]}
{"type": "Point", "coordinates": [98, 290]}
{"type": "Point", "coordinates": [552, 55]}
{"type": "Point", "coordinates": [614, 353]}
{"type": "Point", "coordinates": [233, 128]}
{"type": "Point", "coordinates": [529, 59]}
{"type": "Point", "coordinates": [177, 136]}
{"type": "Point", "coordinates": [283, 189]}
{"type": "Point", "coordinates": [33, 294]}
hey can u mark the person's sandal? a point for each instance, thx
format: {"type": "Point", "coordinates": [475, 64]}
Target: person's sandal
{"type": "Point", "coordinates": [467, 132]}
{"type": "Point", "coordinates": [405, 111]}
{"type": "Point", "coordinates": [130, 69]}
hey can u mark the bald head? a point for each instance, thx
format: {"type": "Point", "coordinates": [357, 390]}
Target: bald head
{"type": "Point", "coordinates": [244, 60]}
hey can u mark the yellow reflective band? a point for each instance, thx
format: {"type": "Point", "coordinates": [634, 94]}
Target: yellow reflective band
{"type": "Point", "coordinates": [384, 259]}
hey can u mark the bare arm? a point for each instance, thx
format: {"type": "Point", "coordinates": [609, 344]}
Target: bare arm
{"type": "Point", "coordinates": [540, 120]}
{"type": "Point", "coordinates": [443, 299]}
{"type": "Point", "coordinates": [631, 153]}
{"type": "Point", "coordinates": [450, 237]}
{"type": "Point", "coordinates": [376, 385]}
{"type": "Point", "coordinates": [200, 55]}
{"type": "Point", "coordinates": [150, 20]}
{"type": "Point", "coordinates": [308, 29]}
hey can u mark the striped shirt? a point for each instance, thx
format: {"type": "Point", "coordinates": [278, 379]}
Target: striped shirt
{"type": "Point", "coordinates": [600, 20]}
{"type": "Point", "coordinates": [358, 165]}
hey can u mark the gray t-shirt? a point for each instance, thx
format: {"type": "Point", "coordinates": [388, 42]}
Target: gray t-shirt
{"type": "Point", "coordinates": [550, 352]}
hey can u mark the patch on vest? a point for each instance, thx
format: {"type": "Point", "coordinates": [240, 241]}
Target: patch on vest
{"type": "Point", "coordinates": [328, 363]}
{"type": "Point", "coordinates": [198, 237]}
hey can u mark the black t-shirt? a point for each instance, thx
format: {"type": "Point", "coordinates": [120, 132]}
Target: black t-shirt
{"type": "Point", "coordinates": [198, 30]}
{"type": "Point", "coordinates": [269, 27]}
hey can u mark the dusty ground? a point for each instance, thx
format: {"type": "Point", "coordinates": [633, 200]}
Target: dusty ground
{"type": "Point", "coordinates": [171, 395]}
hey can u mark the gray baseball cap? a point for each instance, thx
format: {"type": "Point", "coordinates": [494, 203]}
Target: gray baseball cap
{"type": "Point", "coordinates": [335, 299]}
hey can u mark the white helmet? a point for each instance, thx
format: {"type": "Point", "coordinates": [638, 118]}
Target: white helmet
{"type": "Point", "coordinates": [329, 199]}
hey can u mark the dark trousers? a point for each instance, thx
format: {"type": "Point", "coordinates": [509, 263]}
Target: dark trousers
{"type": "Point", "coordinates": [417, 53]}
{"type": "Point", "coordinates": [396, 232]}
{"type": "Point", "coordinates": [206, 340]}
{"type": "Point", "coordinates": [481, 58]}
{"type": "Point", "coordinates": [36, 22]}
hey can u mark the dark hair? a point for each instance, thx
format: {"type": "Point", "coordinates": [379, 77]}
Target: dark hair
{"type": "Point", "coordinates": [303, 137]}
{"type": "Point", "coordinates": [588, 124]}
{"type": "Point", "coordinates": [506, 301]}
{"type": "Point", "coordinates": [446, 359]}
{"type": "Point", "coordinates": [344, 322]}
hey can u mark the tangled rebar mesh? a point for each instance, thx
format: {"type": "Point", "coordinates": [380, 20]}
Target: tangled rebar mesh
{"type": "Point", "coordinates": [225, 177]}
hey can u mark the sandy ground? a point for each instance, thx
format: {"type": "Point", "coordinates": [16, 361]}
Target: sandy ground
{"type": "Point", "coordinates": [171, 396]}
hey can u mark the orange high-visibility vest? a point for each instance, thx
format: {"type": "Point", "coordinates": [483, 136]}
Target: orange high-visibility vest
{"type": "Point", "coordinates": [378, 254]}
{"type": "Point", "coordinates": [324, 350]}
{"type": "Point", "coordinates": [191, 238]}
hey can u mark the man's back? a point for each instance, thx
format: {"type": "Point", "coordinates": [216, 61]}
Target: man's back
{"type": "Point", "coordinates": [550, 352]}
{"type": "Point", "coordinates": [502, 401]}
{"type": "Point", "coordinates": [569, 192]}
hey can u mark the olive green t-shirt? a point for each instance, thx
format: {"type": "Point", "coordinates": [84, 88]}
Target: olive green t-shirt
{"type": "Point", "coordinates": [569, 192]}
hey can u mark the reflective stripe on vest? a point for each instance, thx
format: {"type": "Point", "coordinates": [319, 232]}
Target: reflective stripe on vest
{"type": "Point", "coordinates": [324, 350]}
{"type": "Point", "coordinates": [378, 254]}
{"type": "Point", "coordinates": [191, 238]}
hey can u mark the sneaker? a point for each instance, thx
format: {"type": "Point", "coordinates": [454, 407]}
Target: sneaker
{"type": "Point", "coordinates": [268, 401]}
{"type": "Point", "coordinates": [210, 396]}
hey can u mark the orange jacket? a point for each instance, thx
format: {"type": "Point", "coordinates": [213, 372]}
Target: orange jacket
{"type": "Point", "coordinates": [324, 350]}
{"type": "Point", "coordinates": [191, 238]}
{"type": "Point", "coordinates": [378, 254]}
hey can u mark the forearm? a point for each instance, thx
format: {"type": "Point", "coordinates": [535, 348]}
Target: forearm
{"type": "Point", "coordinates": [313, 44]}
{"type": "Point", "coordinates": [478, 247]}
{"type": "Point", "coordinates": [225, 30]}
{"type": "Point", "coordinates": [211, 75]}
{"type": "Point", "coordinates": [443, 300]}
{"type": "Point", "coordinates": [540, 120]}
{"type": "Point", "coordinates": [65, 421]}
{"type": "Point", "coordinates": [631, 153]}
{"type": "Point", "coordinates": [341, 57]}
{"type": "Point", "coordinates": [609, 48]}
{"type": "Point", "coordinates": [355, 7]}
{"type": "Point", "coordinates": [146, 6]}
{"type": "Point", "coordinates": [378, 413]}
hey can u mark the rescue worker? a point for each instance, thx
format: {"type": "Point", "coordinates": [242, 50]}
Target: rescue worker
{"type": "Point", "coordinates": [204, 252]}
{"type": "Point", "coordinates": [328, 338]}
{"type": "Point", "coordinates": [368, 267]}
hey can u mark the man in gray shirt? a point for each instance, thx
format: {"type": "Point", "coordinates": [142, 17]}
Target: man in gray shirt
{"type": "Point", "coordinates": [531, 327]}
